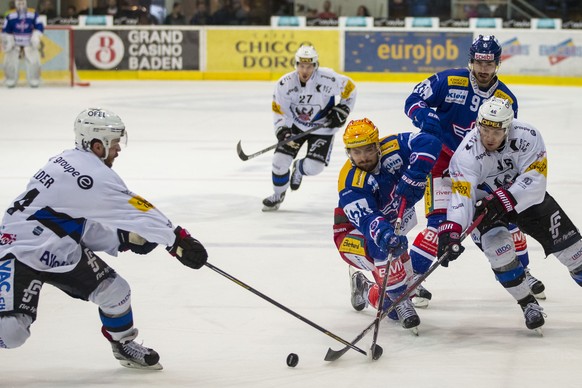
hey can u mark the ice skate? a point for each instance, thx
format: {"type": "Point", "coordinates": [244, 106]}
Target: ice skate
{"type": "Point", "coordinates": [536, 286]}
{"type": "Point", "coordinates": [360, 286]}
{"type": "Point", "coordinates": [273, 202]}
{"type": "Point", "coordinates": [296, 177]}
{"type": "Point", "coordinates": [534, 317]}
{"type": "Point", "coordinates": [421, 296]}
{"type": "Point", "coordinates": [133, 355]}
{"type": "Point", "coordinates": [408, 316]}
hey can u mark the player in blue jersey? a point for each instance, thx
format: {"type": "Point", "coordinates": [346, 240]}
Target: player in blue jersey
{"type": "Point", "coordinates": [21, 35]}
{"type": "Point", "coordinates": [456, 96]}
{"type": "Point", "coordinates": [372, 182]}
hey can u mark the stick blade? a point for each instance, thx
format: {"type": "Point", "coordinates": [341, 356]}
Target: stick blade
{"type": "Point", "coordinates": [333, 355]}
{"type": "Point", "coordinates": [240, 152]}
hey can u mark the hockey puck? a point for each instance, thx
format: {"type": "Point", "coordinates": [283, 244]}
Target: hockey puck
{"type": "Point", "coordinates": [292, 360]}
{"type": "Point", "coordinates": [377, 352]}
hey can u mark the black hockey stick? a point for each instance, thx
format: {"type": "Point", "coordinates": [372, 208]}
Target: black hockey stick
{"type": "Point", "coordinates": [375, 348]}
{"type": "Point", "coordinates": [244, 156]}
{"type": "Point", "coordinates": [333, 355]}
{"type": "Point", "coordinates": [286, 309]}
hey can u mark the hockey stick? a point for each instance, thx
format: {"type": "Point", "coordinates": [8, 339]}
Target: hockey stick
{"type": "Point", "coordinates": [375, 348]}
{"type": "Point", "coordinates": [333, 355]}
{"type": "Point", "coordinates": [244, 156]}
{"type": "Point", "coordinates": [286, 309]}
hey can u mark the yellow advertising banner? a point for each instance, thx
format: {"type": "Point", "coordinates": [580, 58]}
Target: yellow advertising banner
{"type": "Point", "coordinates": [267, 50]}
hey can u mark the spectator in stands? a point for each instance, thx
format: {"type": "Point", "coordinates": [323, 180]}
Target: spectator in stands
{"type": "Point", "coordinates": [201, 17]}
{"type": "Point", "coordinates": [47, 8]}
{"type": "Point", "coordinates": [419, 8]}
{"type": "Point", "coordinates": [483, 10]}
{"type": "Point", "coordinates": [223, 15]}
{"type": "Point", "coordinates": [259, 14]}
{"type": "Point", "coordinates": [71, 12]}
{"type": "Point", "coordinates": [327, 13]}
{"type": "Point", "coordinates": [362, 11]}
{"type": "Point", "coordinates": [397, 9]}
{"type": "Point", "coordinates": [241, 10]}
{"type": "Point", "coordinates": [176, 17]}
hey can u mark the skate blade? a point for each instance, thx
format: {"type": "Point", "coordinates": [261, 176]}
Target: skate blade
{"type": "Point", "coordinates": [539, 331]}
{"type": "Point", "coordinates": [271, 208]}
{"type": "Point", "coordinates": [134, 365]}
{"type": "Point", "coordinates": [414, 331]}
{"type": "Point", "coordinates": [540, 296]}
{"type": "Point", "coordinates": [419, 302]}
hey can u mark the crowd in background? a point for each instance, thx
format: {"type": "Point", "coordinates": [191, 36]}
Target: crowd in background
{"type": "Point", "coordinates": [258, 12]}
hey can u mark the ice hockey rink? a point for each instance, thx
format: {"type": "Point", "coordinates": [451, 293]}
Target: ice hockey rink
{"type": "Point", "coordinates": [210, 331]}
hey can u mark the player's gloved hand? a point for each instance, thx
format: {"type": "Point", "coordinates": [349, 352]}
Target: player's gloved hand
{"type": "Point", "coordinates": [338, 115]}
{"type": "Point", "coordinates": [428, 121]}
{"type": "Point", "coordinates": [35, 39]}
{"type": "Point", "coordinates": [449, 242]}
{"type": "Point", "coordinates": [129, 241]}
{"type": "Point", "coordinates": [495, 206]}
{"type": "Point", "coordinates": [283, 133]}
{"type": "Point", "coordinates": [188, 250]}
{"type": "Point", "coordinates": [390, 241]}
{"type": "Point", "coordinates": [411, 186]}
{"type": "Point", "coordinates": [7, 42]}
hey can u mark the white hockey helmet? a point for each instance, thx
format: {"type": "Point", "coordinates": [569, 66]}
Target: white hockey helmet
{"type": "Point", "coordinates": [20, 5]}
{"type": "Point", "coordinates": [306, 54]}
{"type": "Point", "coordinates": [495, 112]}
{"type": "Point", "coordinates": [98, 124]}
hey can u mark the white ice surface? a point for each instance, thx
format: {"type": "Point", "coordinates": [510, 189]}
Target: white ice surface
{"type": "Point", "coordinates": [211, 332]}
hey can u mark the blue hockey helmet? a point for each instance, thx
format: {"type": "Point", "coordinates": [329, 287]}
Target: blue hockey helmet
{"type": "Point", "coordinates": [485, 48]}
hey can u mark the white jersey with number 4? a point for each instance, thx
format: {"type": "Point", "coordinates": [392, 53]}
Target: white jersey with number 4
{"type": "Point", "coordinates": [75, 198]}
{"type": "Point", "coordinates": [520, 167]}
{"type": "Point", "coordinates": [307, 105]}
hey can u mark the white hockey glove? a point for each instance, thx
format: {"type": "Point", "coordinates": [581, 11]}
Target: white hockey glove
{"type": "Point", "coordinates": [7, 42]}
{"type": "Point", "coordinates": [35, 39]}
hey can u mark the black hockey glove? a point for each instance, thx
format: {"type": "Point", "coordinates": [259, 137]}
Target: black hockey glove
{"type": "Point", "coordinates": [283, 133]}
{"type": "Point", "coordinates": [449, 242]}
{"type": "Point", "coordinates": [129, 241]}
{"type": "Point", "coordinates": [338, 115]}
{"type": "Point", "coordinates": [411, 186]}
{"type": "Point", "coordinates": [188, 250]}
{"type": "Point", "coordinates": [495, 206]}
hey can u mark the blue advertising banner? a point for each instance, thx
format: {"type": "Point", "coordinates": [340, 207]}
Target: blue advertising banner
{"type": "Point", "coordinates": [405, 52]}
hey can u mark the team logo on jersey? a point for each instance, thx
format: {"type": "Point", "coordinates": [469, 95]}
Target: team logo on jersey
{"type": "Point", "coordinates": [453, 80]}
{"type": "Point", "coordinates": [540, 166]}
{"type": "Point", "coordinates": [7, 238]}
{"type": "Point", "coordinates": [348, 89]}
{"type": "Point", "coordinates": [356, 210]}
{"type": "Point", "coordinates": [462, 188]}
{"type": "Point", "coordinates": [277, 108]}
{"type": "Point", "coordinates": [85, 182]}
{"type": "Point", "coordinates": [457, 96]}
{"type": "Point", "coordinates": [140, 203]}
{"type": "Point", "coordinates": [502, 94]}
{"type": "Point", "coordinates": [304, 113]}
{"type": "Point", "coordinates": [7, 285]}
{"type": "Point", "coordinates": [461, 132]}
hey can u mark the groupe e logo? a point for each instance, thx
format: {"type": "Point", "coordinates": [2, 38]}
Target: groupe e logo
{"type": "Point", "coordinates": [105, 50]}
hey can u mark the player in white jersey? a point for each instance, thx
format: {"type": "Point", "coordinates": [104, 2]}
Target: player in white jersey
{"type": "Point", "coordinates": [500, 168]}
{"type": "Point", "coordinates": [21, 38]}
{"type": "Point", "coordinates": [303, 99]}
{"type": "Point", "coordinates": [74, 206]}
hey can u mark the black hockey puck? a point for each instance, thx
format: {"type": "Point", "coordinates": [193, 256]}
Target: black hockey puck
{"type": "Point", "coordinates": [377, 352]}
{"type": "Point", "coordinates": [292, 360]}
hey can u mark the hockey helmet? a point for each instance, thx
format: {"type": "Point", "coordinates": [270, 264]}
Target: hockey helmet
{"type": "Point", "coordinates": [359, 133]}
{"type": "Point", "coordinates": [98, 124]}
{"type": "Point", "coordinates": [485, 48]}
{"type": "Point", "coordinates": [495, 112]}
{"type": "Point", "coordinates": [306, 54]}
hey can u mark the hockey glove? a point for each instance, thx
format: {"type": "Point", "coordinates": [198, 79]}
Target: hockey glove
{"type": "Point", "coordinates": [390, 241]}
{"type": "Point", "coordinates": [129, 241]}
{"type": "Point", "coordinates": [449, 242]}
{"type": "Point", "coordinates": [495, 206]}
{"type": "Point", "coordinates": [428, 121]}
{"type": "Point", "coordinates": [35, 39]}
{"type": "Point", "coordinates": [7, 42]}
{"type": "Point", "coordinates": [188, 250]}
{"type": "Point", "coordinates": [283, 133]}
{"type": "Point", "coordinates": [338, 115]}
{"type": "Point", "coordinates": [411, 186]}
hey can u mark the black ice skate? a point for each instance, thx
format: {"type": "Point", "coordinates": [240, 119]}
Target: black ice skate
{"type": "Point", "coordinates": [408, 316]}
{"type": "Point", "coordinates": [533, 313]}
{"type": "Point", "coordinates": [296, 177]}
{"type": "Point", "coordinates": [360, 286]}
{"type": "Point", "coordinates": [133, 355]}
{"type": "Point", "coordinates": [536, 286]}
{"type": "Point", "coordinates": [421, 296]}
{"type": "Point", "coordinates": [273, 202]}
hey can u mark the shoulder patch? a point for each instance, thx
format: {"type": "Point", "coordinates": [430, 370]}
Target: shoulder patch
{"type": "Point", "coordinates": [140, 203]}
{"type": "Point", "coordinates": [454, 80]}
{"type": "Point", "coordinates": [390, 146]}
{"type": "Point", "coordinates": [502, 94]}
{"type": "Point", "coordinates": [348, 89]}
{"type": "Point", "coordinates": [540, 166]}
{"type": "Point", "coordinates": [276, 108]}
{"type": "Point", "coordinates": [462, 188]}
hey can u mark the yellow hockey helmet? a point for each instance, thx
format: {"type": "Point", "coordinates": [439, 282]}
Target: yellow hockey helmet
{"type": "Point", "coordinates": [359, 133]}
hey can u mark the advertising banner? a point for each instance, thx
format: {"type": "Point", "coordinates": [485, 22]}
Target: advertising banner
{"type": "Point", "coordinates": [269, 50]}
{"type": "Point", "coordinates": [540, 52]}
{"type": "Point", "coordinates": [405, 52]}
{"type": "Point", "coordinates": [137, 49]}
